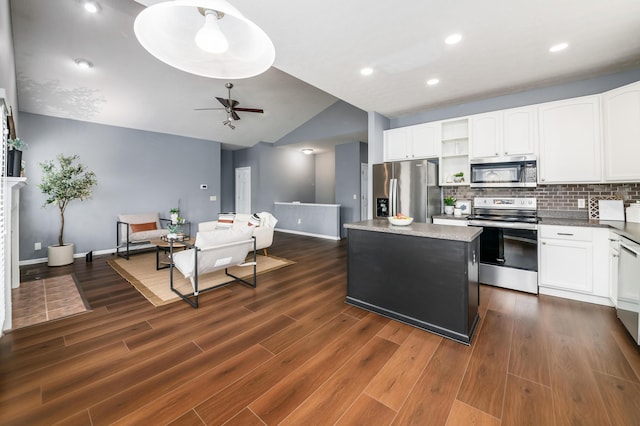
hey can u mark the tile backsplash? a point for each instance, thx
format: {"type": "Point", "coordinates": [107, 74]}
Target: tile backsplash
{"type": "Point", "coordinates": [562, 198]}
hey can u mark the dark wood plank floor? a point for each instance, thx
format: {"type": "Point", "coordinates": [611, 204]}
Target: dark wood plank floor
{"type": "Point", "coordinates": [292, 352]}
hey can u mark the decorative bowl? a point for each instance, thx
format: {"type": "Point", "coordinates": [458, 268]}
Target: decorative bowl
{"type": "Point", "coordinates": [400, 222]}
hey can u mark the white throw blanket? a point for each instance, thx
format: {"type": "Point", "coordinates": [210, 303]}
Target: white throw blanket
{"type": "Point", "coordinates": [267, 219]}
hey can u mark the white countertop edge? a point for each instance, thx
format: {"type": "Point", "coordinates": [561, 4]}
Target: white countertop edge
{"type": "Point", "coordinates": [417, 229]}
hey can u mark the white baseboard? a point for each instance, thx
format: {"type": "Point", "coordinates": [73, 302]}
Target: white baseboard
{"type": "Point", "coordinates": [80, 255]}
{"type": "Point", "coordinates": [308, 234]}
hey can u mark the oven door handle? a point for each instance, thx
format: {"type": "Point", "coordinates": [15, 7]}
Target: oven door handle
{"type": "Point", "coordinates": [498, 224]}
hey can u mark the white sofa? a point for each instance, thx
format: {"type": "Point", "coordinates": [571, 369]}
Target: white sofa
{"type": "Point", "coordinates": [130, 230]}
{"type": "Point", "coordinates": [263, 233]}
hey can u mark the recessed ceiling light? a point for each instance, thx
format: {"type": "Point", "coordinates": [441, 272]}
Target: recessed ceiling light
{"type": "Point", "coordinates": [83, 63]}
{"type": "Point", "coordinates": [366, 71]}
{"type": "Point", "coordinates": [307, 151]}
{"type": "Point", "coordinates": [558, 47]}
{"type": "Point", "coordinates": [433, 82]}
{"type": "Point", "coordinates": [91, 6]}
{"type": "Point", "coordinates": [453, 39]}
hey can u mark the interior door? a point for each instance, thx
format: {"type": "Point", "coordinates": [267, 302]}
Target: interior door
{"type": "Point", "coordinates": [243, 190]}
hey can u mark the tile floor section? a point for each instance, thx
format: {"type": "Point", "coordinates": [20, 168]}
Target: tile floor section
{"type": "Point", "coordinates": [44, 300]}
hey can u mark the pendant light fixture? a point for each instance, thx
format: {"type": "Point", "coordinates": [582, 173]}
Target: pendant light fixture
{"type": "Point", "coordinates": [209, 38]}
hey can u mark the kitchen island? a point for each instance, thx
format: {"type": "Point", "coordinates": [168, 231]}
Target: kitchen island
{"type": "Point", "coordinates": [424, 275]}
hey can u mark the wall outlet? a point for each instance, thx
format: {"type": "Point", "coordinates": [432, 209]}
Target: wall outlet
{"type": "Point", "coordinates": [213, 198]}
{"type": "Point", "coordinates": [299, 221]}
{"type": "Point", "coordinates": [581, 203]}
{"type": "Point", "coordinates": [37, 246]}
{"type": "Point", "coordinates": [355, 196]}
{"type": "Point", "coordinates": [203, 186]}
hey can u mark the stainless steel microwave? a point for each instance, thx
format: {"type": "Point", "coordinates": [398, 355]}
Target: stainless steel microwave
{"type": "Point", "coordinates": [504, 172]}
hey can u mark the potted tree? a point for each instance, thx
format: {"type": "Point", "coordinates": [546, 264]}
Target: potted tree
{"type": "Point", "coordinates": [63, 182]}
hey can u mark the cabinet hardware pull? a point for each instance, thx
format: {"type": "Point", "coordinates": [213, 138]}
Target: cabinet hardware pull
{"type": "Point", "coordinates": [564, 233]}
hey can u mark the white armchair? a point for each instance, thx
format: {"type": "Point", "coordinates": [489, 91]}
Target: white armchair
{"type": "Point", "coordinates": [141, 228]}
{"type": "Point", "coordinates": [263, 233]}
{"type": "Point", "coordinates": [212, 251]}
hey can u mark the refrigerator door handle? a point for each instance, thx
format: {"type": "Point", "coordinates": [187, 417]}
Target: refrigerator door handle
{"type": "Point", "coordinates": [393, 194]}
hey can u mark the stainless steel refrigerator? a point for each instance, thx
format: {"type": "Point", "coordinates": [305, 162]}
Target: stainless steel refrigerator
{"type": "Point", "coordinates": [407, 187]}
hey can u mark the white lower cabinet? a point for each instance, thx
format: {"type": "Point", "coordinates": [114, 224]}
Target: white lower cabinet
{"type": "Point", "coordinates": [573, 262]}
{"type": "Point", "coordinates": [614, 257]}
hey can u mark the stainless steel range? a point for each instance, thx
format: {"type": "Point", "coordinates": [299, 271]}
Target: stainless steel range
{"type": "Point", "coordinates": [508, 243]}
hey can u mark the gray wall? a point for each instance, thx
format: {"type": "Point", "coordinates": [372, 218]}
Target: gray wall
{"type": "Point", "coordinates": [7, 62]}
{"type": "Point", "coordinates": [227, 182]}
{"type": "Point", "coordinates": [326, 178]}
{"type": "Point", "coordinates": [137, 172]}
{"type": "Point", "coordinates": [574, 89]}
{"type": "Point", "coordinates": [338, 120]}
{"type": "Point", "coordinates": [348, 159]}
{"type": "Point", "coordinates": [277, 175]}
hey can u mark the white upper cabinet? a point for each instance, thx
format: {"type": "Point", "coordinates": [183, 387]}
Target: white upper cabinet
{"type": "Point", "coordinates": [622, 134]}
{"type": "Point", "coordinates": [520, 131]}
{"type": "Point", "coordinates": [503, 133]}
{"type": "Point", "coordinates": [425, 140]}
{"type": "Point", "coordinates": [396, 144]}
{"type": "Point", "coordinates": [412, 142]}
{"type": "Point", "coordinates": [486, 135]}
{"type": "Point", "coordinates": [570, 141]}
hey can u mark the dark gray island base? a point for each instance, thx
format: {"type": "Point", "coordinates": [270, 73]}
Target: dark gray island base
{"type": "Point", "coordinates": [424, 275]}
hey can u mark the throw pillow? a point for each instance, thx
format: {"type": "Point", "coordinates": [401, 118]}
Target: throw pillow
{"type": "Point", "coordinates": [225, 220]}
{"type": "Point", "coordinates": [139, 227]}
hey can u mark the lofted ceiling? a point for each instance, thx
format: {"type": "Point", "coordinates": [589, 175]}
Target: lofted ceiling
{"type": "Point", "coordinates": [320, 49]}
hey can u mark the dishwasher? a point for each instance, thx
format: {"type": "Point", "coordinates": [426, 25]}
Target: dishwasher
{"type": "Point", "coordinates": [628, 308]}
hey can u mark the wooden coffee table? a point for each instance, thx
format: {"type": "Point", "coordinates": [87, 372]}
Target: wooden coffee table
{"type": "Point", "coordinates": [164, 246]}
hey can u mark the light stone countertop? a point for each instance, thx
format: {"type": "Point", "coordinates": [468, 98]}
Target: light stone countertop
{"type": "Point", "coordinates": [417, 229]}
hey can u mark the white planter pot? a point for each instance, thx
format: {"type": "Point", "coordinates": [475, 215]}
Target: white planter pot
{"type": "Point", "coordinates": [61, 255]}
{"type": "Point", "coordinates": [448, 209]}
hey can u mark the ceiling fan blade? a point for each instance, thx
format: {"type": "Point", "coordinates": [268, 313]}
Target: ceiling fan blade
{"type": "Point", "coordinates": [249, 110]}
{"type": "Point", "coordinates": [223, 102]}
{"type": "Point", "coordinates": [235, 116]}
{"type": "Point", "coordinates": [205, 109]}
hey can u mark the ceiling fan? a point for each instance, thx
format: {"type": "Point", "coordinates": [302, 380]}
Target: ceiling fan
{"type": "Point", "coordinates": [231, 107]}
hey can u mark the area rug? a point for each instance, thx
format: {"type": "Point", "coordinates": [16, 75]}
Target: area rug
{"type": "Point", "coordinates": [48, 299]}
{"type": "Point", "coordinates": [140, 271]}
